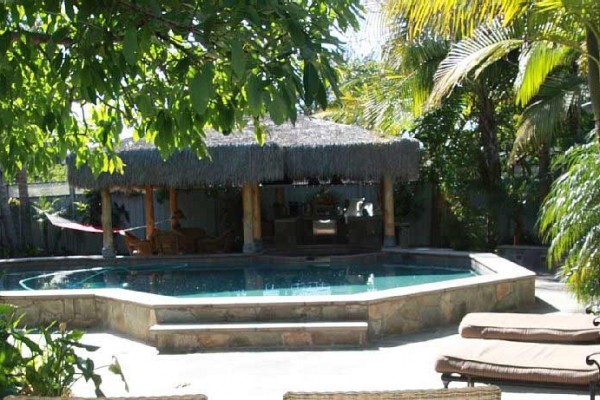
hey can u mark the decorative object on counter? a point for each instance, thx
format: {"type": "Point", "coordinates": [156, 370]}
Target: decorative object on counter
{"type": "Point", "coordinates": [355, 208]}
{"type": "Point", "coordinates": [324, 203]}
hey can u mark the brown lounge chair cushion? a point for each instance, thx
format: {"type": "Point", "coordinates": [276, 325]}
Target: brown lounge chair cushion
{"type": "Point", "coordinates": [558, 328]}
{"type": "Point", "coordinates": [474, 393]}
{"type": "Point", "coordinates": [520, 361]}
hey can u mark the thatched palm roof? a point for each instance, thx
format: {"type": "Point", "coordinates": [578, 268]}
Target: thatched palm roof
{"type": "Point", "coordinates": [310, 148]}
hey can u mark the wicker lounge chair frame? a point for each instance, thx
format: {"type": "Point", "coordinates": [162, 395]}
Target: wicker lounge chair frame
{"type": "Point", "coordinates": [469, 393]}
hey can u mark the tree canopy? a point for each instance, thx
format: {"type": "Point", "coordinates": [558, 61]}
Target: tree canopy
{"type": "Point", "coordinates": [74, 73]}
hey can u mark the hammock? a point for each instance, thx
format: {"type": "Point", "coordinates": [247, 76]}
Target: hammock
{"type": "Point", "coordinates": [68, 224]}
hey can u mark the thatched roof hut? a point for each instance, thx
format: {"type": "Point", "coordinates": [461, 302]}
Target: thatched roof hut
{"type": "Point", "coordinates": [310, 148]}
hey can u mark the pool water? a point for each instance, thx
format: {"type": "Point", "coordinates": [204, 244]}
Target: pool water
{"type": "Point", "coordinates": [189, 280]}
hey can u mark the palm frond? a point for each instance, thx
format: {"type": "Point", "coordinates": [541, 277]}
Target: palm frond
{"type": "Point", "coordinates": [545, 117]}
{"type": "Point", "coordinates": [535, 64]}
{"type": "Point", "coordinates": [452, 18]}
{"type": "Point", "coordinates": [570, 220]}
{"type": "Point", "coordinates": [470, 57]}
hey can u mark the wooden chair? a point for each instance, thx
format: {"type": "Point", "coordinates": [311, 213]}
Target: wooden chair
{"type": "Point", "coordinates": [137, 246]}
{"type": "Point", "coordinates": [165, 242]}
{"type": "Point", "coordinates": [221, 244]}
{"type": "Point", "coordinates": [188, 239]}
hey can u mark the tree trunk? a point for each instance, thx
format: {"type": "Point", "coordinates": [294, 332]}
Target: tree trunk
{"type": "Point", "coordinates": [5, 214]}
{"type": "Point", "coordinates": [436, 215]}
{"type": "Point", "coordinates": [491, 167]}
{"type": "Point", "coordinates": [593, 59]}
{"type": "Point", "coordinates": [518, 232]}
{"type": "Point", "coordinates": [544, 170]}
{"type": "Point", "coordinates": [24, 207]}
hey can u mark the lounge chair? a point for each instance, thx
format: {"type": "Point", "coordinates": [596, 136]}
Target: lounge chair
{"type": "Point", "coordinates": [556, 328]}
{"type": "Point", "coordinates": [520, 363]}
{"type": "Point", "coordinates": [470, 393]}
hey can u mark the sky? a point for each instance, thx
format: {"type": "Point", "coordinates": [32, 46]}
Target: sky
{"type": "Point", "coordinates": [367, 41]}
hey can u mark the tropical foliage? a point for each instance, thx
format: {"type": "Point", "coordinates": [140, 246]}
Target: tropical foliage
{"type": "Point", "coordinates": [72, 75]}
{"type": "Point", "coordinates": [556, 45]}
{"type": "Point", "coordinates": [48, 367]}
{"type": "Point", "coordinates": [546, 31]}
{"type": "Point", "coordinates": [570, 220]}
{"type": "Point", "coordinates": [502, 85]}
{"type": "Point", "coordinates": [75, 75]}
{"type": "Point", "coordinates": [465, 138]}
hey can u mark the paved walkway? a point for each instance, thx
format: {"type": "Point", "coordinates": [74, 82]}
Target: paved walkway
{"type": "Point", "coordinates": [402, 363]}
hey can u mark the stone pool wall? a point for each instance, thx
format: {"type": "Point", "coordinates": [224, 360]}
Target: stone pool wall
{"type": "Point", "coordinates": [115, 310]}
{"type": "Point", "coordinates": [412, 312]}
{"type": "Point", "coordinates": [175, 324]}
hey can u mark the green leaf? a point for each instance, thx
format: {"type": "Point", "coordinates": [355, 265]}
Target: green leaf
{"type": "Point", "coordinates": [201, 89]}
{"type": "Point", "coordinates": [322, 95]}
{"type": "Point", "coordinates": [238, 59]}
{"type": "Point", "coordinates": [144, 104]}
{"type": "Point", "coordinates": [277, 109]}
{"type": "Point", "coordinates": [6, 309]}
{"type": "Point", "coordinates": [130, 46]}
{"type": "Point", "coordinates": [5, 40]}
{"type": "Point", "coordinates": [254, 92]}
{"type": "Point", "coordinates": [115, 368]}
{"type": "Point", "coordinates": [311, 83]}
{"type": "Point", "coordinates": [60, 34]}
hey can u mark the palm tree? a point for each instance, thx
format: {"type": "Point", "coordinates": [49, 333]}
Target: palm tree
{"type": "Point", "coordinates": [550, 34]}
{"type": "Point", "coordinates": [545, 29]}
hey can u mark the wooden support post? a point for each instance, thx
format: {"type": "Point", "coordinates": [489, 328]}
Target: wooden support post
{"type": "Point", "coordinates": [256, 218]}
{"type": "Point", "coordinates": [108, 244]}
{"type": "Point", "coordinates": [247, 207]}
{"type": "Point", "coordinates": [173, 208]}
{"type": "Point", "coordinates": [149, 196]}
{"type": "Point", "coordinates": [389, 234]}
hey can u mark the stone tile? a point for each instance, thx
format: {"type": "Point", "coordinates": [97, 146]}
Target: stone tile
{"type": "Point", "coordinates": [297, 338]}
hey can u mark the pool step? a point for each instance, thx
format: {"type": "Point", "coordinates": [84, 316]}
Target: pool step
{"type": "Point", "coordinates": [261, 311]}
{"type": "Point", "coordinates": [182, 338]}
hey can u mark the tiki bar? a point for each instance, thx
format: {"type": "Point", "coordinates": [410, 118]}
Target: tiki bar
{"type": "Point", "coordinates": [312, 152]}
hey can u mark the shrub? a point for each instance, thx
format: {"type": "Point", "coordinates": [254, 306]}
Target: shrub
{"type": "Point", "coordinates": [49, 367]}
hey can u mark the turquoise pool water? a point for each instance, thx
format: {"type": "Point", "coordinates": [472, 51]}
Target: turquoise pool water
{"type": "Point", "coordinates": [189, 280]}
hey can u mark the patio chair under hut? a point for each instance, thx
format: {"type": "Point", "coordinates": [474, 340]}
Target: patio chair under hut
{"type": "Point", "coordinates": [311, 148]}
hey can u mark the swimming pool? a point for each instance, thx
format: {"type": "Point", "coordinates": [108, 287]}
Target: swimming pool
{"type": "Point", "coordinates": [189, 280]}
{"type": "Point", "coordinates": [313, 317]}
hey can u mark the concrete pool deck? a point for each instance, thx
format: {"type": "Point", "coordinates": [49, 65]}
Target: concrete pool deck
{"type": "Point", "coordinates": [399, 363]}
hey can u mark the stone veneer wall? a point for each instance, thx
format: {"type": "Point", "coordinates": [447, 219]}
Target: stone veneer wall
{"type": "Point", "coordinates": [84, 310]}
{"type": "Point", "coordinates": [127, 317]}
{"type": "Point", "coordinates": [428, 309]}
{"type": "Point", "coordinates": [78, 310]}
